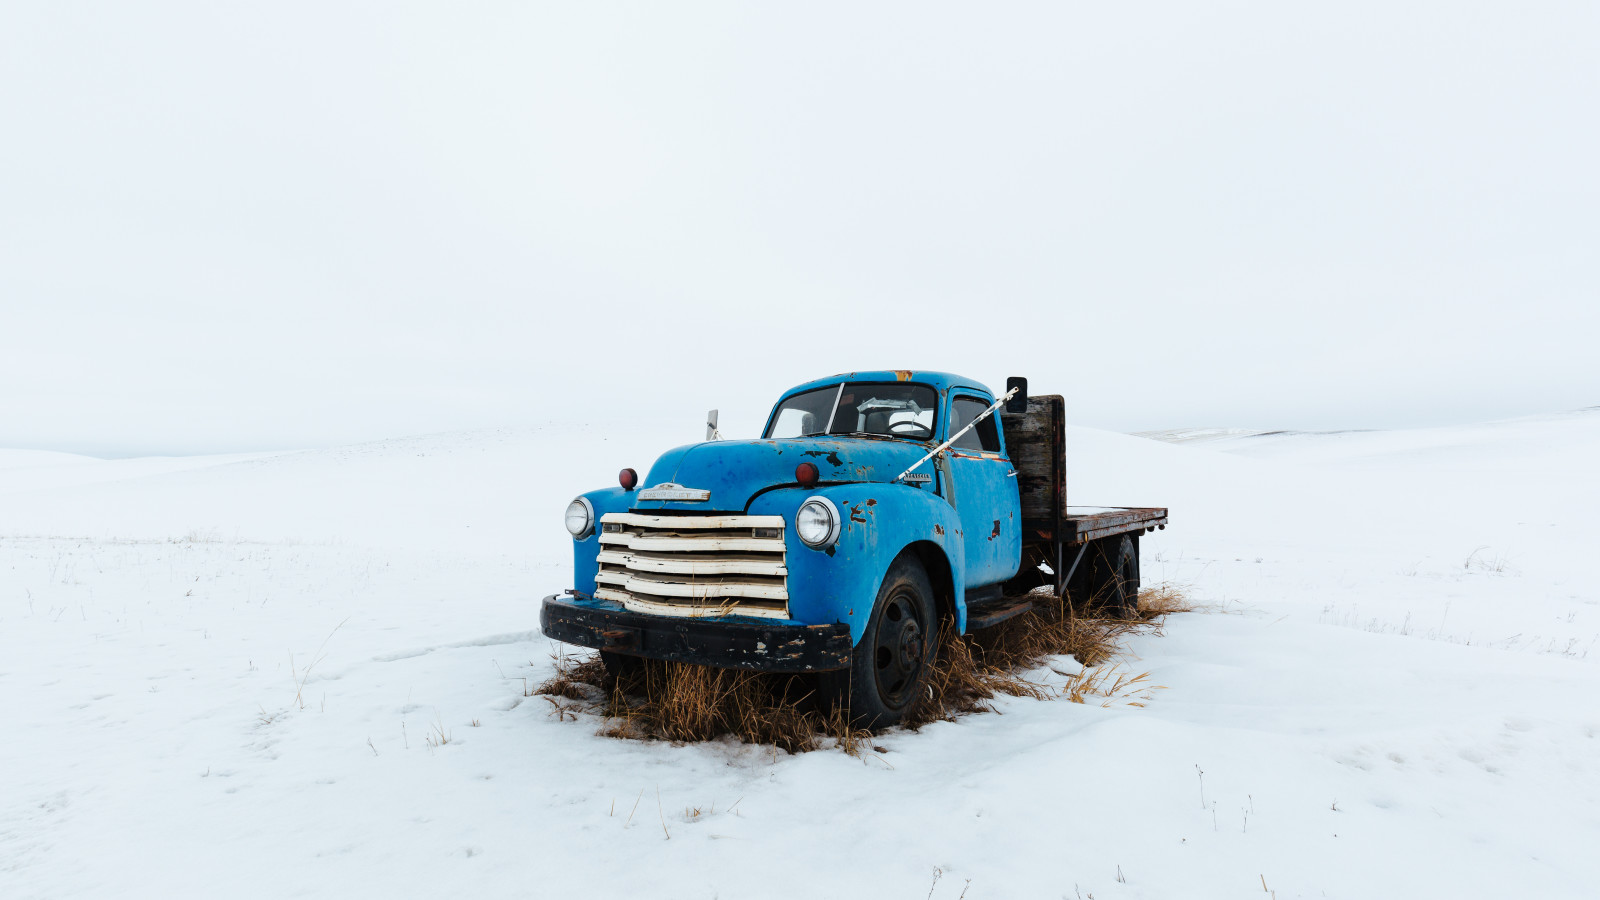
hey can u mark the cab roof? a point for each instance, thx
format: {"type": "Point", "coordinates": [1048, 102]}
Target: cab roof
{"type": "Point", "coordinates": [940, 381]}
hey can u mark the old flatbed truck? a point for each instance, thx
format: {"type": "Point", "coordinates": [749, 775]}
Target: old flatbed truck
{"type": "Point", "coordinates": [874, 506]}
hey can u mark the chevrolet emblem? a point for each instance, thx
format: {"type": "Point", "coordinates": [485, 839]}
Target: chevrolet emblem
{"type": "Point", "coordinates": [670, 491]}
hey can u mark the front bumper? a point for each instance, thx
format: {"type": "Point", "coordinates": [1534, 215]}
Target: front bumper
{"type": "Point", "coordinates": [725, 643]}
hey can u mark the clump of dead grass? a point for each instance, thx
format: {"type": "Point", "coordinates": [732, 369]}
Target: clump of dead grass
{"type": "Point", "coordinates": [1163, 600]}
{"type": "Point", "coordinates": [574, 675]}
{"type": "Point", "coordinates": [974, 669]}
{"type": "Point", "coordinates": [682, 702]}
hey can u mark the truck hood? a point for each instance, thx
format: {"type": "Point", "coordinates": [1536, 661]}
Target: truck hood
{"type": "Point", "coordinates": [735, 471]}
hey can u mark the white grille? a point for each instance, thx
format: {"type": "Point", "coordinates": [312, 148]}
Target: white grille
{"type": "Point", "coordinates": [694, 565]}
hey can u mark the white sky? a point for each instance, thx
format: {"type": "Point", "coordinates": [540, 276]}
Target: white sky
{"type": "Point", "coordinates": [280, 225]}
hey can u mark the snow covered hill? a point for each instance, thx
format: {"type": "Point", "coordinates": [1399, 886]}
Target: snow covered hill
{"type": "Point", "coordinates": [304, 674]}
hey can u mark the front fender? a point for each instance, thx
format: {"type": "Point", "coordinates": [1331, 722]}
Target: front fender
{"type": "Point", "coordinates": [841, 582]}
{"type": "Point", "coordinates": [586, 551]}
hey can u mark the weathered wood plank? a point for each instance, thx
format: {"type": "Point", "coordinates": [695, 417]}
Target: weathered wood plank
{"type": "Point", "coordinates": [1087, 526]}
{"type": "Point", "coordinates": [1035, 441]}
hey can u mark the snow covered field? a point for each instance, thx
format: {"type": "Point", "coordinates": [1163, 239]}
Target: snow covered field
{"type": "Point", "coordinates": [303, 674]}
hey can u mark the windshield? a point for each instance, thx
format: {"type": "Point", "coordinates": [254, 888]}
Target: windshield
{"type": "Point", "coordinates": [857, 407]}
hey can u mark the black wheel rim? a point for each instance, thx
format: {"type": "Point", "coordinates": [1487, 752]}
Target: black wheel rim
{"type": "Point", "coordinates": [901, 648]}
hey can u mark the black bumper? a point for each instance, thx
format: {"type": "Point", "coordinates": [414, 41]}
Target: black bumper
{"type": "Point", "coordinates": [713, 642]}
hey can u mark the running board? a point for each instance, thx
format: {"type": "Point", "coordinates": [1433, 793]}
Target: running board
{"type": "Point", "coordinates": [993, 612]}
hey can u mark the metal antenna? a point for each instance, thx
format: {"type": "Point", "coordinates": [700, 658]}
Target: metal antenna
{"type": "Point", "coordinates": [946, 445]}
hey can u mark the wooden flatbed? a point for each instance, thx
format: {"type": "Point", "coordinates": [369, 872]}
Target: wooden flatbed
{"type": "Point", "coordinates": [1086, 523]}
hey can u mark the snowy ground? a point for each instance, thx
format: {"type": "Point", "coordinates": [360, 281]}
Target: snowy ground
{"type": "Point", "coordinates": [236, 676]}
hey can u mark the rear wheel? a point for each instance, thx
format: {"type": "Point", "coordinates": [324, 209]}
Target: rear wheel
{"type": "Point", "coordinates": [890, 665]}
{"type": "Point", "coordinates": [1116, 577]}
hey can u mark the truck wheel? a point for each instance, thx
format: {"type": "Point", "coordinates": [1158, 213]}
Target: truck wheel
{"type": "Point", "coordinates": [890, 664]}
{"type": "Point", "coordinates": [1117, 577]}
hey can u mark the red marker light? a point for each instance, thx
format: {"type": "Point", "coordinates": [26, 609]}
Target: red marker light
{"type": "Point", "coordinates": [628, 478]}
{"type": "Point", "coordinates": [807, 474]}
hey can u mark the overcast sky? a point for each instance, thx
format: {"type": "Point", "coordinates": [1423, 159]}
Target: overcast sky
{"type": "Point", "coordinates": [287, 225]}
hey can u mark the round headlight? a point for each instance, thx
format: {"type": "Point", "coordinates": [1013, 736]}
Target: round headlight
{"type": "Point", "coordinates": [580, 517]}
{"type": "Point", "coordinates": [817, 522]}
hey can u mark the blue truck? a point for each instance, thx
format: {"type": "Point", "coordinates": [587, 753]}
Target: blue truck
{"type": "Point", "coordinates": [875, 508]}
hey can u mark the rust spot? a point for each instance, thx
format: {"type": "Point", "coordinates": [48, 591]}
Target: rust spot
{"type": "Point", "coordinates": [996, 532]}
{"type": "Point", "coordinates": [872, 503]}
{"type": "Point", "coordinates": [938, 529]}
{"type": "Point", "coordinates": [855, 514]}
{"type": "Point", "coordinates": [902, 374]}
{"type": "Point", "coordinates": [832, 455]}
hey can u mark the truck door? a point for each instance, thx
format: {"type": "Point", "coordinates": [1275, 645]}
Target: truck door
{"type": "Point", "coordinates": [985, 494]}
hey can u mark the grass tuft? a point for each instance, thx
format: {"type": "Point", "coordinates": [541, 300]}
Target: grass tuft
{"type": "Point", "coordinates": [682, 702]}
{"type": "Point", "coordinates": [576, 677]}
{"type": "Point", "coordinates": [1007, 659]}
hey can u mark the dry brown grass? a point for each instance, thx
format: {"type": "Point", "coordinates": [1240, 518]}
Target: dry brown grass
{"type": "Point", "coordinates": [574, 674]}
{"type": "Point", "coordinates": [1163, 600]}
{"type": "Point", "coordinates": [684, 702]}
{"type": "Point", "coordinates": [974, 669]}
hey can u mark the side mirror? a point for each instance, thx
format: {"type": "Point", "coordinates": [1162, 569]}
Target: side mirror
{"type": "Point", "coordinates": [1018, 404]}
{"type": "Point", "coordinates": [711, 427]}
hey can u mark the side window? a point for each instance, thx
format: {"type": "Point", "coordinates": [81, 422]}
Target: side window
{"type": "Point", "coordinates": [984, 437]}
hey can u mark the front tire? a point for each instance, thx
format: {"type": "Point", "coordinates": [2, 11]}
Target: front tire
{"type": "Point", "coordinates": [890, 665]}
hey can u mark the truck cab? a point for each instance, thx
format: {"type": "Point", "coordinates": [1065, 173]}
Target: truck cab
{"type": "Point", "coordinates": [873, 507]}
